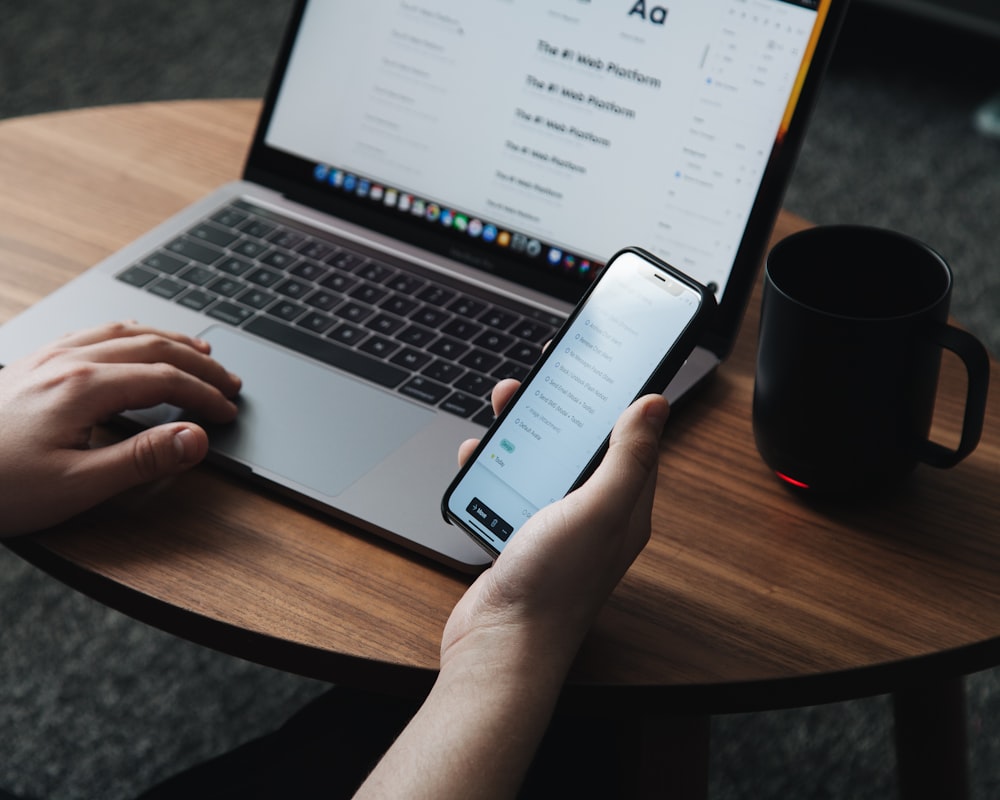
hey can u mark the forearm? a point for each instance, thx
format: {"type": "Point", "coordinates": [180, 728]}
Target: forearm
{"type": "Point", "coordinates": [476, 733]}
{"type": "Point", "coordinates": [511, 639]}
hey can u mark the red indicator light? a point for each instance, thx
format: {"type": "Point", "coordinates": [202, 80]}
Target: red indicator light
{"type": "Point", "coordinates": [792, 481]}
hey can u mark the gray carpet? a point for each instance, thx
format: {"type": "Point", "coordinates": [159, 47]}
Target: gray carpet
{"type": "Point", "coordinates": [95, 705]}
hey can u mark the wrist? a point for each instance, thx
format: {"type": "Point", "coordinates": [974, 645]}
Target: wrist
{"type": "Point", "coordinates": [508, 660]}
{"type": "Point", "coordinates": [477, 731]}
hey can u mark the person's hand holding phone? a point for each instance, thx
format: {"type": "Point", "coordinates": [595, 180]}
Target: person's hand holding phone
{"type": "Point", "coordinates": [554, 576]}
{"type": "Point", "coordinates": [512, 637]}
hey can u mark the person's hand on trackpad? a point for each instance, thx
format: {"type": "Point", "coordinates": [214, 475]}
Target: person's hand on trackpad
{"type": "Point", "coordinates": [51, 401]}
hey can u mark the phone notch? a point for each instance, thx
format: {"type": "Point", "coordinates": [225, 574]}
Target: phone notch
{"type": "Point", "coordinates": [662, 279]}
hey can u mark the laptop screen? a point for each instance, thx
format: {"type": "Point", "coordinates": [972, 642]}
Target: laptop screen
{"type": "Point", "coordinates": [536, 139]}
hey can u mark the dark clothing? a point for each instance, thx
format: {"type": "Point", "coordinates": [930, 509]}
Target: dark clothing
{"type": "Point", "coordinates": [329, 747]}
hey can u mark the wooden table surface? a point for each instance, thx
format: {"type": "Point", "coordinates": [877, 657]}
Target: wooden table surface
{"type": "Point", "coordinates": [745, 598]}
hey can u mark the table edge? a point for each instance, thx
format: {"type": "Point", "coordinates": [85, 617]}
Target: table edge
{"type": "Point", "coordinates": [597, 699]}
{"type": "Point", "coordinates": [224, 637]}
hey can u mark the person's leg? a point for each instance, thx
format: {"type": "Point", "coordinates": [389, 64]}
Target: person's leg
{"type": "Point", "coordinates": [580, 756]}
{"type": "Point", "coordinates": [326, 750]}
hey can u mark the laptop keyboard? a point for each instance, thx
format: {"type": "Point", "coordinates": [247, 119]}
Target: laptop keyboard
{"type": "Point", "coordinates": [403, 329]}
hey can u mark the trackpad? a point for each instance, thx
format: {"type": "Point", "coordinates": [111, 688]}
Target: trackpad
{"type": "Point", "coordinates": [304, 423]}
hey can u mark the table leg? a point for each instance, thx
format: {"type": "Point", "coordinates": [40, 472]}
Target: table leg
{"type": "Point", "coordinates": [931, 752]}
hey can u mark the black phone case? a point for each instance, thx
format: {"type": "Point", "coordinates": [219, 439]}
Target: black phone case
{"type": "Point", "coordinates": [671, 362]}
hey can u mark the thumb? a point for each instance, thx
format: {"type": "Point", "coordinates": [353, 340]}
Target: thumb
{"type": "Point", "coordinates": [147, 456]}
{"type": "Point", "coordinates": [632, 456]}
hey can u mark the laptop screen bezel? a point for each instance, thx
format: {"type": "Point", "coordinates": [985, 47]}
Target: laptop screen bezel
{"type": "Point", "coordinates": [292, 177]}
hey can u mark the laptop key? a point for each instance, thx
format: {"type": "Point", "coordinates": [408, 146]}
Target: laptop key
{"type": "Point", "coordinates": [373, 271]}
{"type": "Point", "coordinates": [385, 324]}
{"type": "Point", "coordinates": [461, 329]}
{"type": "Point", "coordinates": [354, 312]}
{"type": "Point", "coordinates": [256, 298]}
{"type": "Point", "coordinates": [480, 360]}
{"type": "Point", "coordinates": [448, 348]}
{"type": "Point", "coordinates": [525, 353]}
{"type": "Point", "coordinates": [475, 384]}
{"type": "Point", "coordinates": [226, 286]}
{"type": "Point", "coordinates": [410, 358]}
{"type": "Point", "coordinates": [430, 317]}
{"type": "Point", "coordinates": [425, 390]}
{"type": "Point", "coordinates": [323, 300]}
{"type": "Point", "coordinates": [257, 228]}
{"type": "Point", "coordinates": [461, 404]}
{"type": "Point", "coordinates": [164, 262]}
{"type": "Point", "coordinates": [309, 271]}
{"type": "Point", "coordinates": [532, 331]}
{"type": "Point", "coordinates": [416, 336]}
{"type": "Point", "coordinates": [212, 235]}
{"type": "Point", "coordinates": [196, 251]}
{"type": "Point", "coordinates": [339, 282]}
{"type": "Point", "coordinates": [264, 277]}
{"type": "Point", "coordinates": [287, 239]}
{"type": "Point", "coordinates": [317, 323]}
{"type": "Point", "coordinates": [345, 260]}
{"type": "Point", "coordinates": [197, 275]}
{"type": "Point", "coordinates": [336, 355]}
{"type": "Point", "coordinates": [494, 341]}
{"type": "Point", "coordinates": [286, 310]}
{"type": "Point", "coordinates": [167, 287]}
{"type": "Point", "coordinates": [399, 305]}
{"type": "Point", "coordinates": [467, 307]}
{"type": "Point", "coordinates": [443, 371]}
{"type": "Point", "coordinates": [313, 248]}
{"type": "Point", "coordinates": [229, 217]}
{"type": "Point", "coordinates": [249, 248]}
{"type": "Point", "coordinates": [230, 313]}
{"type": "Point", "coordinates": [347, 334]}
{"type": "Point", "coordinates": [196, 299]}
{"type": "Point", "coordinates": [379, 346]}
{"type": "Point", "coordinates": [233, 265]}
{"type": "Point", "coordinates": [486, 417]}
{"type": "Point", "coordinates": [405, 284]}
{"type": "Point", "coordinates": [136, 276]}
{"type": "Point", "coordinates": [510, 369]}
{"type": "Point", "coordinates": [293, 288]}
{"type": "Point", "coordinates": [369, 293]}
{"type": "Point", "coordinates": [279, 259]}
{"type": "Point", "coordinates": [436, 295]}
{"type": "Point", "coordinates": [497, 318]}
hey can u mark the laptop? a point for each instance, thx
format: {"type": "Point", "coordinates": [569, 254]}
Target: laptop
{"type": "Point", "coordinates": [431, 187]}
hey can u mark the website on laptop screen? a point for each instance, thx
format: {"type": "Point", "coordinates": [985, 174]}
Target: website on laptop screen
{"type": "Point", "coordinates": [563, 130]}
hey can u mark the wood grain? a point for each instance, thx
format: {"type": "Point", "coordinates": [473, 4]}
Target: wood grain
{"type": "Point", "coordinates": [746, 596]}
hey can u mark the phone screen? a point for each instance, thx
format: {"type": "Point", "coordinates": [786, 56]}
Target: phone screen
{"type": "Point", "coordinates": [630, 334]}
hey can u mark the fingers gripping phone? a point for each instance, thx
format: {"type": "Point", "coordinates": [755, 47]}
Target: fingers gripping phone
{"type": "Point", "coordinates": [627, 337]}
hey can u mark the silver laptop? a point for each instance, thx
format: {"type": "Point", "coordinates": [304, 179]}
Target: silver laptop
{"type": "Point", "coordinates": [431, 186]}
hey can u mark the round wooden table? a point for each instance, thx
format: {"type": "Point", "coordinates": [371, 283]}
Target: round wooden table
{"type": "Point", "coordinates": [746, 597]}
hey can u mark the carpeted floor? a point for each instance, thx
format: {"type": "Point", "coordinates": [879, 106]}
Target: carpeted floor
{"type": "Point", "coordinates": [95, 705]}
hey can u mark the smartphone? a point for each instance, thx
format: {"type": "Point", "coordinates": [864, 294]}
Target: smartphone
{"type": "Point", "coordinates": [627, 336]}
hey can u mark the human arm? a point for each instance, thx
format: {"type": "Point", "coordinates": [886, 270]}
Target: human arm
{"type": "Point", "coordinates": [51, 401]}
{"type": "Point", "coordinates": [511, 639]}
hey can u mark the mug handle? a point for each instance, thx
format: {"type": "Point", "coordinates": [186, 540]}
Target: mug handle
{"type": "Point", "coordinates": [977, 365]}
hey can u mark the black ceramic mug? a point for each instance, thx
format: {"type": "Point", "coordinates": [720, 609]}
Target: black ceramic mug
{"type": "Point", "coordinates": [852, 326]}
